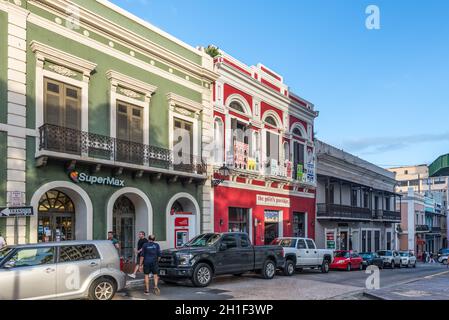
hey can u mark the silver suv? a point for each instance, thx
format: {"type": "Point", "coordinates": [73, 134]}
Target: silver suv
{"type": "Point", "coordinates": [62, 270]}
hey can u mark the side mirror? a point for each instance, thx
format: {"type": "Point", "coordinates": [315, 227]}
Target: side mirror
{"type": "Point", "coordinates": [223, 247]}
{"type": "Point", "coordinates": [9, 265]}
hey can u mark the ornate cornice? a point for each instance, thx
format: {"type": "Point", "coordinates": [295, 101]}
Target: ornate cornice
{"type": "Point", "coordinates": [47, 53]}
{"type": "Point", "coordinates": [130, 87]}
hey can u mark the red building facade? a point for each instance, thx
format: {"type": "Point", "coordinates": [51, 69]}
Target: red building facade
{"type": "Point", "coordinates": [264, 134]}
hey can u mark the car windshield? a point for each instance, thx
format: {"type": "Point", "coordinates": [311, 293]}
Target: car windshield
{"type": "Point", "coordinates": [286, 243]}
{"type": "Point", "coordinates": [341, 254]}
{"type": "Point", "coordinates": [4, 252]}
{"type": "Point", "coordinates": [384, 253]}
{"type": "Point", "coordinates": [404, 254]}
{"type": "Point", "coordinates": [203, 240]}
{"type": "Point", "coordinates": [366, 255]}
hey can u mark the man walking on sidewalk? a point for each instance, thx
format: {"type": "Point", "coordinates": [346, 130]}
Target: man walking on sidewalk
{"type": "Point", "coordinates": [149, 262]}
{"type": "Point", "coordinates": [140, 243]}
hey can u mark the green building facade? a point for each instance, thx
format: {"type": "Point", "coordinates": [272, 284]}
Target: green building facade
{"type": "Point", "coordinates": [93, 103]}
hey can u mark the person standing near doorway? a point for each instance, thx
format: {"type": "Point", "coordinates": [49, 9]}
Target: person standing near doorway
{"type": "Point", "coordinates": [138, 251]}
{"type": "Point", "coordinates": [114, 240]}
{"type": "Point", "coordinates": [149, 263]}
{"type": "Point", "coordinates": [2, 241]}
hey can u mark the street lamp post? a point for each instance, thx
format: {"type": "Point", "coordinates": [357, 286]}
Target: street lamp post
{"type": "Point", "coordinates": [223, 172]}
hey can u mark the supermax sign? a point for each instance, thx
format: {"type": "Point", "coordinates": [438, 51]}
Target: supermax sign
{"type": "Point", "coordinates": [83, 177]}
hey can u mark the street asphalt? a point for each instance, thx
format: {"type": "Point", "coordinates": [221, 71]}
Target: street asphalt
{"type": "Point", "coordinates": [308, 285]}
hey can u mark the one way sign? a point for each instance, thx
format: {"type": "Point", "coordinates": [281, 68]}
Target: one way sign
{"type": "Point", "coordinates": [16, 212]}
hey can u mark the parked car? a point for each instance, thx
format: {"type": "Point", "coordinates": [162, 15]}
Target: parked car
{"type": "Point", "coordinates": [302, 253]}
{"type": "Point", "coordinates": [443, 253]}
{"type": "Point", "coordinates": [408, 259]}
{"type": "Point", "coordinates": [443, 260]}
{"type": "Point", "coordinates": [213, 254]}
{"type": "Point", "coordinates": [391, 258]}
{"type": "Point", "coordinates": [347, 260]}
{"type": "Point", "coordinates": [62, 270]}
{"type": "Point", "coordinates": [372, 259]}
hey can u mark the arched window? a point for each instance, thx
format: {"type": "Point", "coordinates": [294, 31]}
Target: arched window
{"type": "Point", "coordinates": [271, 121]}
{"type": "Point", "coordinates": [237, 106]}
{"type": "Point", "coordinates": [56, 201]}
{"type": "Point", "coordinates": [297, 132]}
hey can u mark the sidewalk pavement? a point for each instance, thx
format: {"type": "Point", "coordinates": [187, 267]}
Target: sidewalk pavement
{"type": "Point", "coordinates": [434, 287]}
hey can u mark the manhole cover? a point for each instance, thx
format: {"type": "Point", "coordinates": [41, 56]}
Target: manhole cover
{"type": "Point", "coordinates": [413, 294]}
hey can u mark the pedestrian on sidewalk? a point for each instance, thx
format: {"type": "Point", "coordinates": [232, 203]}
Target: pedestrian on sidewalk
{"type": "Point", "coordinates": [2, 241]}
{"type": "Point", "coordinates": [431, 259]}
{"type": "Point", "coordinates": [149, 263]}
{"type": "Point", "coordinates": [114, 240]}
{"type": "Point", "coordinates": [424, 257]}
{"type": "Point", "coordinates": [138, 252]}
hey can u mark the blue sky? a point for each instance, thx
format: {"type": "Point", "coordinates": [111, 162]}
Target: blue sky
{"type": "Point", "coordinates": [383, 95]}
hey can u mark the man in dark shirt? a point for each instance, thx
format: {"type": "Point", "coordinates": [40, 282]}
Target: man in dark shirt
{"type": "Point", "coordinates": [138, 251]}
{"type": "Point", "coordinates": [149, 262]}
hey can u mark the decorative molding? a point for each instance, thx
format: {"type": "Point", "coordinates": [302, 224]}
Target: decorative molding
{"type": "Point", "coordinates": [130, 93]}
{"type": "Point", "coordinates": [183, 111]}
{"type": "Point", "coordinates": [46, 53]}
{"type": "Point", "coordinates": [131, 86]}
{"type": "Point", "coordinates": [62, 71]}
{"type": "Point", "coordinates": [175, 100]}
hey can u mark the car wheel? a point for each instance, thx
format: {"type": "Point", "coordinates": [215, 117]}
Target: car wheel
{"type": "Point", "coordinates": [269, 269]}
{"type": "Point", "coordinates": [414, 265]}
{"type": "Point", "coordinates": [392, 264]}
{"type": "Point", "coordinates": [445, 262]}
{"type": "Point", "coordinates": [325, 267]}
{"type": "Point", "coordinates": [289, 269]}
{"type": "Point", "coordinates": [202, 275]}
{"type": "Point", "coordinates": [348, 267]}
{"type": "Point", "coordinates": [102, 289]}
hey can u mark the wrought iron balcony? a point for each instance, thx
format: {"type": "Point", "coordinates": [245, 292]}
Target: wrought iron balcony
{"type": "Point", "coordinates": [336, 211]}
{"type": "Point", "coordinates": [90, 145]}
{"type": "Point", "coordinates": [388, 215]}
{"type": "Point", "coordinates": [422, 228]}
{"type": "Point", "coordinates": [436, 229]}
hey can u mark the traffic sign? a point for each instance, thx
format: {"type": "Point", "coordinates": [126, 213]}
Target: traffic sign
{"type": "Point", "coordinates": [16, 212]}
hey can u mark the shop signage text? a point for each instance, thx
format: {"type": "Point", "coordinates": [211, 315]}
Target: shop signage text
{"type": "Point", "coordinates": [83, 177]}
{"type": "Point", "coordinates": [16, 212]}
{"type": "Point", "coordinates": [271, 201]}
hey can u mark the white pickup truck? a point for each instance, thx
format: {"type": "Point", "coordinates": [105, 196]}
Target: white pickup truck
{"type": "Point", "coordinates": [302, 253]}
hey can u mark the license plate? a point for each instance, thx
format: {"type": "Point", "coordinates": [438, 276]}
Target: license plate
{"type": "Point", "coordinates": [162, 272]}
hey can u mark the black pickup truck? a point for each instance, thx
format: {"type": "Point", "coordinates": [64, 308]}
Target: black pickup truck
{"type": "Point", "coordinates": [213, 254]}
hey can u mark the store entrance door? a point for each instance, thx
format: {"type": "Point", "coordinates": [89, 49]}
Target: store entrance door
{"type": "Point", "coordinates": [124, 225]}
{"type": "Point", "coordinates": [271, 226]}
{"type": "Point", "coordinates": [56, 217]}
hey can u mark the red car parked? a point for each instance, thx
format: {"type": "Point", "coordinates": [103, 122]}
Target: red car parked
{"type": "Point", "coordinates": [347, 260]}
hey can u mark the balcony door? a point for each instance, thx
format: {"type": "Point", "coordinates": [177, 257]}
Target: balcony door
{"type": "Point", "coordinates": [183, 144]}
{"type": "Point", "coordinates": [129, 133]}
{"type": "Point", "coordinates": [62, 116]}
{"type": "Point", "coordinates": [298, 160]}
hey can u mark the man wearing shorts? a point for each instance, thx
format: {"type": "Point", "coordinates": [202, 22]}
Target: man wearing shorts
{"type": "Point", "coordinates": [138, 251]}
{"type": "Point", "coordinates": [149, 262]}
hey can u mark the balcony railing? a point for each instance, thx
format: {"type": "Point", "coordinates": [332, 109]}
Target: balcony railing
{"type": "Point", "coordinates": [422, 228]}
{"type": "Point", "coordinates": [334, 211]}
{"type": "Point", "coordinates": [85, 144]}
{"type": "Point", "coordinates": [343, 212]}
{"type": "Point", "coordinates": [436, 229]}
{"type": "Point", "coordinates": [388, 215]}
